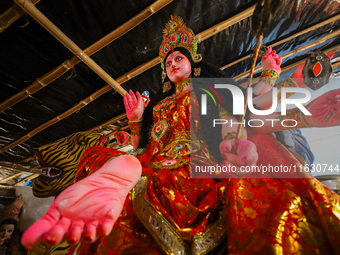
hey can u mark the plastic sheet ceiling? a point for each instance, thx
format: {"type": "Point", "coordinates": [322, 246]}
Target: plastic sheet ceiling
{"type": "Point", "coordinates": [28, 52]}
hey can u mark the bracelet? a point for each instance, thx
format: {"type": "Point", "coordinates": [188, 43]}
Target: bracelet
{"type": "Point", "coordinates": [270, 73]}
{"type": "Point", "coordinates": [269, 76]}
{"type": "Point", "coordinates": [232, 135]}
{"type": "Point", "coordinates": [133, 121]}
{"type": "Point", "coordinates": [135, 127]}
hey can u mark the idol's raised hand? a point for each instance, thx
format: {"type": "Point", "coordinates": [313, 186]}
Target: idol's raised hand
{"type": "Point", "coordinates": [272, 61]}
{"type": "Point", "coordinates": [134, 106]}
{"type": "Point", "coordinates": [87, 208]}
{"type": "Point", "coordinates": [325, 110]}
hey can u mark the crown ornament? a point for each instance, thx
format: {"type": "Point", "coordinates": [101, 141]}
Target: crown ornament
{"type": "Point", "coordinates": [176, 34]}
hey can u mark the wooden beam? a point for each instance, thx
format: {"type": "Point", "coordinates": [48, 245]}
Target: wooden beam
{"type": "Point", "coordinates": [18, 167]}
{"type": "Point", "coordinates": [27, 179]}
{"type": "Point", "coordinates": [11, 15]}
{"type": "Point", "coordinates": [58, 34]}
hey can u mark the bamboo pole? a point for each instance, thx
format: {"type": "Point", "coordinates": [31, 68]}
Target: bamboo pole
{"type": "Point", "coordinates": [225, 24]}
{"type": "Point", "coordinates": [11, 15]}
{"type": "Point", "coordinates": [323, 23]}
{"type": "Point", "coordinates": [303, 48]}
{"type": "Point", "coordinates": [63, 68]}
{"type": "Point", "coordinates": [58, 34]}
{"type": "Point", "coordinates": [131, 74]}
{"type": "Point", "coordinates": [14, 166]}
{"type": "Point", "coordinates": [27, 179]}
{"type": "Point", "coordinates": [106, 123]}
{"type": "Point", "coordinates": [10, 177]}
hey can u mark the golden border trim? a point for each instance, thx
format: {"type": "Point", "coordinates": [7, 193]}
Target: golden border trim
{"type": "Point", "coordinates": [165, 235]}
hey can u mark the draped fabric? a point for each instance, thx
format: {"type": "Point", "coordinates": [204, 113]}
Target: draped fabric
{"type": "Point", "coordinates": [258, 216]}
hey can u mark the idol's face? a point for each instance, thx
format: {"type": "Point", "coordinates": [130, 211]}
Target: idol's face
{"type": "Point", "coordinates": [178, 67]}
{"type": "Point", "coordinates": [6, 230]}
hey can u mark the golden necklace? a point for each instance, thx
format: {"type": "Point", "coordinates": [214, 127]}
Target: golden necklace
{"type": "Point", "coordinates": [180, 85]}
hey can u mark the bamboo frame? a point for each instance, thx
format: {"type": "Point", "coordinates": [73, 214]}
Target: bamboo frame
{"type": "Point", "coordinates": [18, 167]}
{"type": "Point", "coordinates": [64, 67]}
{"type": "Point", "coordinates": [58, 34]}
{"type": "Point", "coordinates": [129, 75]}
{"type": "Point", "coordinates": [11, 15]}
{"type": "Point", "coordinates": [303, 48]}
{"type": "Point", "coordinates": [10, 177]}
{"type": "Point", "coordinates": [127, 26]}
{"type": "Point", "coordinates": [27, 179]}
{"type": "Point", "coordinates": [323, 23]}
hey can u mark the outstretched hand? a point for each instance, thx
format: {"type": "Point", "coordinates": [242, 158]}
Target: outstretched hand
{"type": "Point", "coordinates": [272, 61]}
{"type": "Point", "coordinates": [325, 110]}
{"type": "Point", "coordinates": [134, 106]}
{"type": "Point", "coordinates": [88, 208]}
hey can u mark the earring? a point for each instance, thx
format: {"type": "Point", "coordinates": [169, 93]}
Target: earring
{"type": "Point", "coordinates": [166, 87]}
{"type": "Point", "coordinates": [163, 75]}
{"type": "Point", "coordinates": [197, 71]}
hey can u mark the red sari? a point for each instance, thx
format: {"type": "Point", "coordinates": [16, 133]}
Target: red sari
{"type": "Point", "coordinates": [168, 211]}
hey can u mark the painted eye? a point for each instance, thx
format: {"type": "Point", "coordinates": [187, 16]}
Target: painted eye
{"type": "Point", "coordinates": [179, 58]}
{"type": "Point", "coordinates": [168, 63]}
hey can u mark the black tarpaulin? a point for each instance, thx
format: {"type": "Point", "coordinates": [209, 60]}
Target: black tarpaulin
{"type": "Point", "coordinates": [28, 52]}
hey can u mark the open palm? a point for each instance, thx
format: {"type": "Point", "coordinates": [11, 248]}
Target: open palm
{"type": "Point", "coordinates": [134, 106]}
{"type": "Point", "coordinates": [88, 207]}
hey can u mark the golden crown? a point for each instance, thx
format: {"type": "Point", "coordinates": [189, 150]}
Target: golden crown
{"type": "Point", "coordinates": [176, 34]}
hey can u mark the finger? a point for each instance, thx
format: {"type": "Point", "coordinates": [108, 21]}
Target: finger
{"type": "Point", "coordinates": [263, 59]}
{"type": "Point", "coordinates": [129, 100]}
{"type": "Point", "coordinates": [73, 235]}
{"type": "Point", "coordinates": [273, 52]}
{"type": "Point", "coordinates": [269, 51]}
{"type": "Point", "coordinates": [106, 224]}
{"type": "Point", "coordinates": [34, 235]}
{"type": "Point", "coordinates": [90, 231]}
{"type": "Point", "coordinates": [279, 61]}
{"type": "Point", "coordinates": [127, 107]}
{"type": "Point", "coordinates": [134, 99]}
{"type": "Point", "coordinates": [225, 146]}
{"type": "Point", "coordinates": [57, 233]}
{"type": "Point", "coordinates": [140, 102]}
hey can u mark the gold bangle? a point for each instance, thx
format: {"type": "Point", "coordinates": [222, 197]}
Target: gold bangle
{"type": "Point", "coordinates": [270, 73]}
{"type": "Point", "coordinates": [135, 127]}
